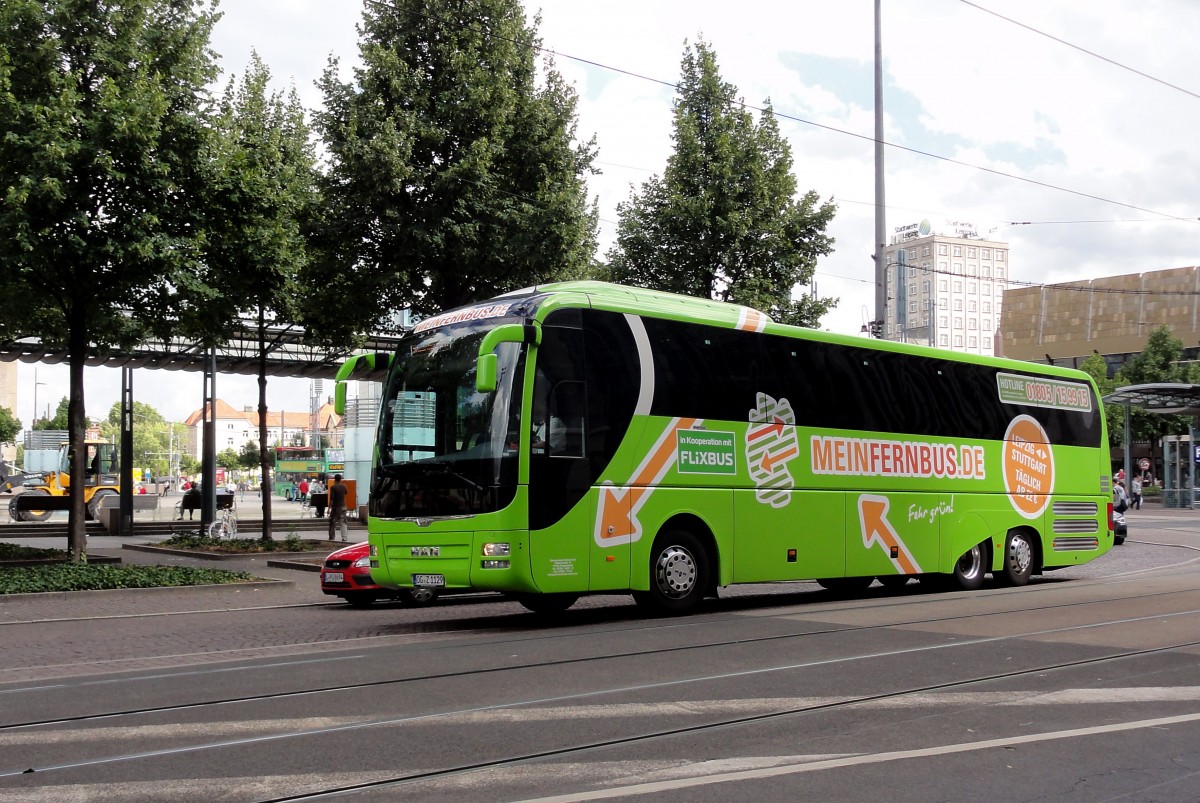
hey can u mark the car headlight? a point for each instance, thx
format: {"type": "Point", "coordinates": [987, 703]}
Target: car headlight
{"type": "Point", "coordinates": [362, 563]}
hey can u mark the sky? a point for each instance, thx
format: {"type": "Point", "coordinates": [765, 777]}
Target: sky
{"type": "Point", "coordinates": [1075, 159]}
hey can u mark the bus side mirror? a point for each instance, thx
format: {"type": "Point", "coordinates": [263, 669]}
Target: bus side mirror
{"type": "Point", "coordinates": [487, 362]}
{"type": "Point", "coordinates": [358, 364]}
{"type": "Point", "coordinates": [485, 372]}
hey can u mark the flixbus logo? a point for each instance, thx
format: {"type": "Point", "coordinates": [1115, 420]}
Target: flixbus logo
{"type": "Point", "coordinates": [702, 452]}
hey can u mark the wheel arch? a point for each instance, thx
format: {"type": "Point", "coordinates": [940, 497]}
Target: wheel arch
{"type": "Point", "coordinates": [1035, 541]}
{"type": "Point", "coordinates": [704, 533]}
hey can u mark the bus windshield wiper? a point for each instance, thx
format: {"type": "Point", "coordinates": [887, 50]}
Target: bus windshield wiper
{"type": "Point", "coordinates": [447, 467]}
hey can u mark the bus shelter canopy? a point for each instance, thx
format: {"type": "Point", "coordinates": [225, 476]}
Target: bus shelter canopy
{"type": "Point", "coordinates": [1168, 398]}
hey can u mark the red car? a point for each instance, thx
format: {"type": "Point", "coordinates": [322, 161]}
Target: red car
{"type": "Point", "coordinates": [347, 574]}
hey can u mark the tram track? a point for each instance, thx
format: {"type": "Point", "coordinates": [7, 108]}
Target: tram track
{"type": "Point", "coordinates": [576, 661]}
{"type": "Point", "coordinates": [585, 746]}
{"type": "Point", "coordinates": [893, 601]}
{"type": "Point", "coordinates": [728, 722]}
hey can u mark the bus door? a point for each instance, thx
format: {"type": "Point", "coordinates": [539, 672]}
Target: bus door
{"type": "Point", "coordinates": [560, 508]}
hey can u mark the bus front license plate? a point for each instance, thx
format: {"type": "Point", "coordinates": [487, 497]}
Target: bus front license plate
{"type": "Point", "coordinates": [429, 580]}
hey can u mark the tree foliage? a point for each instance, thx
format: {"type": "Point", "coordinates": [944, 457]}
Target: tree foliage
{"type": "Point", "coordinates": [1159, 361]}
{"type": "Point", "coordinates": [1097, 367]}
{"type": "Point", "coordinates": [102, 170]}
{"type": "Point", "coordinates": [264, 194]}
{"type": "Point", "coordinates": [454, 174]}
{"type": "Point", "coordinates": [724, 221]}
{"type": "Point", "coordinates": [61, 419]}
{"type": "Point", "coordinates": [155, 440]}
{"type": "Point", "coordinates": [9, 426]}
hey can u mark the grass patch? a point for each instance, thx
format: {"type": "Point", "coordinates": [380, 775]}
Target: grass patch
{"type": "Point", "coordinates": [86, 577]}
{"type": "Point", "coordinates": [242, 546]}
{"type": "Point", "coordinates": [16, 552]}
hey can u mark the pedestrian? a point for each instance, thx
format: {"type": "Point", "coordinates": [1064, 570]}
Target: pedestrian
{"type": "Point", "coordinates": [1120, 498]}
{"type": "Point", "coordinates": [1135, 488]}
{"type": "Point", "coordinates": [337, 507]}
{"type": "Point", "coordinates": [318, 497]}
{"type": "Point", "coordinates": [190, 501]}
{"type": "Point", "coordinates": [303, 489]}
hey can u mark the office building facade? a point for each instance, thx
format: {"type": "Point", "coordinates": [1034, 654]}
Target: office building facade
{"type": "Point", "coordinates": [945, 287]}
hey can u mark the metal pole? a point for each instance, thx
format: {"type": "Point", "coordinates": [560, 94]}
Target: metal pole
{"type": "Point", "coordinates": [125, 528]}
{"type": "Point", "coordinates": [880, 268]}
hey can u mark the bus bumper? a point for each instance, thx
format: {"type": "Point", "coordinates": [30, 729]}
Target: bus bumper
{"type": "Point", "coordinates": [471, 560]}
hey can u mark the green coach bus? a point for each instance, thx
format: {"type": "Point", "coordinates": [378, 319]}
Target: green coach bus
{"type": "Point", "coordinates": [582, 438]}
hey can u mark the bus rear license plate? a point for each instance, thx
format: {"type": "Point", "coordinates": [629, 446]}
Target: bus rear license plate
{"type": "Point", "coordinates": [429, 580]}
{"type": "Point", "coordinates": [334, 577]}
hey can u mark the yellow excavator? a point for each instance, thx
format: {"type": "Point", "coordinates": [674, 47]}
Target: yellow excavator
{"type": "Point", "coordinates": [47, 492]}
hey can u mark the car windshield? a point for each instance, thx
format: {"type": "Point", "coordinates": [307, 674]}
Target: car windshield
{"type": "Point", "coordinates": [445, 448]}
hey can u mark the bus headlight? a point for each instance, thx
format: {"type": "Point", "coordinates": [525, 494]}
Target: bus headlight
{"type": "Point", "coordinates": [494, 564]}
{"type": "Point", "coordinates": [496, 551]}
{"type": "Point", "coordinates": [374, 551]}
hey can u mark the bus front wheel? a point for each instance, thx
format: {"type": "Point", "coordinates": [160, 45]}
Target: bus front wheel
{"type": "Point", "coordinates": [678, 573]}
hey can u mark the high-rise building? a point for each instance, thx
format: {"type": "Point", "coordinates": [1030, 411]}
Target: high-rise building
{"type": "Point", "coordinates": [944, 287]}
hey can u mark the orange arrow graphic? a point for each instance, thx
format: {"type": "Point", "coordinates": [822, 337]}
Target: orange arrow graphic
{"type": "Point", "coordinates": [619, 506]}
{"type": "Point", "coordinates": [872, 513]}
{"type": "Point", "coordinates": [775, 428]}
{"type": "Point", "coordinates": [769, 462]}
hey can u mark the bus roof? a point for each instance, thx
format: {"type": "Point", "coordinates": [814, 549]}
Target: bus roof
{"type": "Point", "coordinates": [637, 300]}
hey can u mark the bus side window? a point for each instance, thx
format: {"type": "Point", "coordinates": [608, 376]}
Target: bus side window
{"type": "Point", "coordinates": [567, 406]}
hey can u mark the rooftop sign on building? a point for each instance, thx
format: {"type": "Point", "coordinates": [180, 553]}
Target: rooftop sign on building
{"type": "Point", "coordinates": [945, 228]}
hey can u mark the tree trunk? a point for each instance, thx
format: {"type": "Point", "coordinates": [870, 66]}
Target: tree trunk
{"type": "Point", "coordinates": [77, 451]}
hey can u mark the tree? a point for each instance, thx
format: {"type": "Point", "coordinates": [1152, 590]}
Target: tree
{"type": "Point", "coordinates": [1159, 361]}
{"type": "Point", "coordinates": [1114, 415]}
{"type": "Point", "coordinates": [9, 426]}
{"type": "Point", "coordinates": [229, 459]}
{"type": "Point", "coordinates": [102, 171]}
{"type": "Point", "coordinates": [724, 222]}
{"type": "Point", "coordinates": [453, 175]}
{"type": "Point", "coordinates": [250, 457]}
{"type": "Point", "coordinates": [61, 419]}
{"type": "Point", "coordinates": [152, 438]}
{"type": "Point", "coordinates": [263, 192]}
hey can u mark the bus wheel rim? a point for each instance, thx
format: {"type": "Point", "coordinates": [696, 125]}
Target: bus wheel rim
{"type": "Point", "coordinates": [1020, 554]}
{"type": "Point", "coordinates": [676, 572]}
{"type": "Point", "coordinates": [971, 563]}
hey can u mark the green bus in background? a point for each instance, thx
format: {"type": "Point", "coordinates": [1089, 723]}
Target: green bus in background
{"type": "Point", "coordinates": [583, 437]}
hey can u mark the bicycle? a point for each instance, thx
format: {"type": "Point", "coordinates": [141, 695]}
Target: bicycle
{"type": "Point", "coordinates": [224, 527]}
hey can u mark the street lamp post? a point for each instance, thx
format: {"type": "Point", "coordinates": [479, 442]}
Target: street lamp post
{"type": "Point", "coordinates": [35, 387]}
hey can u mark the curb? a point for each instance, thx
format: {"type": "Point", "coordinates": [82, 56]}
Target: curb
{"type": "Point", "coordinates": [255, 585]}
{"type": "Point", "coordinates": [102, 560]}
{"type": "Point", "coordinates": [295, 564]}
{"type": "Point", "coordinates": [218, 556]}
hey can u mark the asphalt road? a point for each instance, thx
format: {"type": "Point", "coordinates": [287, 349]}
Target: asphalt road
{"type": "Point", "coordinates": [1083, 686]}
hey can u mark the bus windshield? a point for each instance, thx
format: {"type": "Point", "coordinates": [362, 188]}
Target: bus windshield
{"type": "Point", "coordinates": [444, 448]}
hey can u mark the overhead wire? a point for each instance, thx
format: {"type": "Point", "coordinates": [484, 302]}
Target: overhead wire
{"type": "Point", "coordinates": [804, 121]}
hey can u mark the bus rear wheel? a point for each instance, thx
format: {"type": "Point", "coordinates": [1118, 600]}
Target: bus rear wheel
{"type": "Point", "coordinates": [969, 570]}
{"type": "Point", "coordinates": [679, 573]}
{"type": "Point", "coordinates": [1018, 560]}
